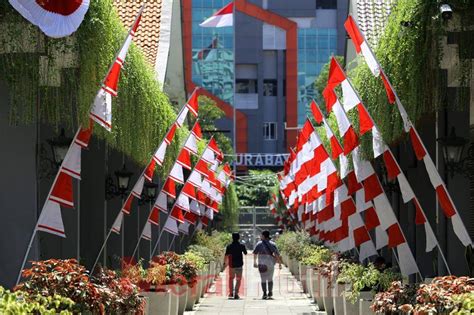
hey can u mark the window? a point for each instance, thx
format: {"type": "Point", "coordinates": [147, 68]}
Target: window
{"type": "Point", "coordinates": [246, 86]}
{"type": "Point", "coordinates": [270, 87]}
{"type": "Point", "coordinates": [269, 131]}
{"type": "Point", "coordinates": [326, 4]}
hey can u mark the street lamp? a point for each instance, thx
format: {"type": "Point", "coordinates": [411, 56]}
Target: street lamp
{"type": "Point", "coordinates": [59, 147]}
{"type": "Point", "coordinates": [149, 193]}
{"type": "Point", "coordinates": [453, 148]}
{"type": "Point", "coordinates": [120, 188]}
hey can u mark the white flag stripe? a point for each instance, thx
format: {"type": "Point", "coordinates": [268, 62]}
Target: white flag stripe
{"type": "Point", "coordinates": [117, 223]}
{"type": "Point", "coordinates": [50, 220]}
{"type": "Point", "coordinates": [406, 260]}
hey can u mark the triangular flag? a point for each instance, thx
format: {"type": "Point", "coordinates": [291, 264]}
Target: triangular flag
{"type": "Point", "coordinates": [84, 135]}
{"type": "Point", "coordinates": [146, 235]}
{"type": "Point", "coordinates": [150, 170]}
{"type": "Point", "coordinates": [138, 188]}
{"type": "Point", "coordinates": [184, 159]}
{"type": "Point", "coordinates": [50, 220]}
{"type": "Point", "coordinates": [72, 161]}
{"type": "Point", "coordinates": [182, 116]}
{"type": "Point", "coordinates": [161, 202]}
{"type": "Point", "coordinates": [154, 216]}
{"type": "Point", "coordinates": [184, 228]}
{"type": "Point", "coordinates": [169, 188]}
{"type": "Point", "coordinates": [127, 206]}
{"type": "Point", "coordinates": [62, 191]}
{"type": "Point", "coordinates": [222, 18]}
{"type": "Point", "coordinates": [101, 110]}
{"type": "Point", "coordinates": [170, 135]}
{"type": "Point", "coordinates": [177, 214]}
{"type": "Point", "coordinates": [171, 226]}
{"type": "Point", "coordinates": [176, 173]}
{"type": "Point", "coordinates": [116, 227]}
{"type": "Point", "coordinates": [160, 153]}
{"type": "Point", "coordinates": [193, 103]}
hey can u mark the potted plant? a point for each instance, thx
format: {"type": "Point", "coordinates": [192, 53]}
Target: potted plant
{"type": "Point", "coordinates": [397, 298]}
{"type": "Point", "coordinates": [192, 293]}
{"type": "Point", "coordinates": [463, 303]}
{"type": "Point", "coordinates": [313, 257]}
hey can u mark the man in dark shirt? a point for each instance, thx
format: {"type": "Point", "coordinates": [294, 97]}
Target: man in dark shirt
{"type": "Point", "coordinates": [235, 260]}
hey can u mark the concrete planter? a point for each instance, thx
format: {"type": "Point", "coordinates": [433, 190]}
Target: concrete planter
{"type": "Point", "coordinates": [350, 308]}
{"type": "Point", "coordinates": [158, 302]}
{"type": "Point", "coordinates": [302, 276]}
{"type": "Point", "coordinates": [192, 295]}
{"type": "Point", "coordinates": [146, 309]}
{"type": "Point", "coordinates": [309, 280]}
{"type": "Point", "coordinates": [326, 292]}
{"type": "Point", "coordinates": [182, 298]}
{"type": "Point", "coordinates": [338, 298]}
{"type": "Point", "coordinates": [294, 267]}
{"type": "Point", "coordinates": [174, 294]}
{"type": "Point", "coordinates": [316, 286]}
{"type": "Point", "coordinates": [365, 300]}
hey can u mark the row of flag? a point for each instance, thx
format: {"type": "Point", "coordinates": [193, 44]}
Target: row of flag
{"type": "Point", "coordinates": [200, 194]}
{"type": "Point", "coordinates": [342, 206]}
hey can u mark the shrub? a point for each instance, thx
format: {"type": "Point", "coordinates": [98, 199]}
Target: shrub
{"type": "Point", "coordinates": [197, 259]}
{"type": "Point", "coordinates": [463, 304]}
{"type": "Point", "coordinates": [21, 302]}
{"type": "Point", "coordinates": [203, 252]}
{"type": "Point", "coordinates": [314, 255]}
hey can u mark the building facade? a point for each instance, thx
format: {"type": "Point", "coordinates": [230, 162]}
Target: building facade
{"type": "Point", "coordinates": [280, 48]}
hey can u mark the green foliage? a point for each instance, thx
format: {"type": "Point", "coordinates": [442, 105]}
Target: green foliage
{"type": "Point", "coordinates": [463, 304]}
{"type": "Point", "coordinates": [359, 278]}
{"type": "Point", "coordinates": [202, 251]}
{"type": "Point", "coordinates": [23, 303]}
{"type": "Point", "coordinates": [314, 255]}
{"type": "Point", "coordinates": [209, 113]}
{"type": "Point", "coordinates": [257, 189]}
{"type": "Point", "coordinates": [216, 243]}
{"type": "Point", "coordinates": [294, 244]}
{"type": "Point", "coordinates": [141, 113]}
{"type": "Point", "coordinates": [229, 210]}
{"type": "Point", "coordinates": [198, 260]}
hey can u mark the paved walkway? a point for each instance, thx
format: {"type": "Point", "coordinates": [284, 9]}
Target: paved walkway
{"type": "Point", "coordinates": [289, 298]}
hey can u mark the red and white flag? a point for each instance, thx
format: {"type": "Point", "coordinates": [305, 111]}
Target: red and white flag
{"type": "Point", "coordinates": [222, 18]}
{"type": "Point", "coordinates": [50, 220]}
{"type": "Point", "coordinates": [154, 217]}
{"type": "Point", "coordinates": [361, 45]}
{"type": "Point", "coordinates": [116, 227]}
{"type": "Point", "coordinates": [101, 111]}
{"type": "Point", "coordinates": [62, 191]}
{"type": "Point", "coordinates": [192, 142]}
{"type": "Point", "coordinates": [171, 226]}
{"type": "Point", "coordinates": [146, 235]}
{"type": "Point", "coordinates": [193, 102]}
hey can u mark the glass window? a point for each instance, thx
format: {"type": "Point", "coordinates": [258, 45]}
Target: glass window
{"type": "Point", "coordinates": [246, 86]}
{"type": "Point", "coordinates": [326, 4]}
{"type": "Point", "coordinates": [269, 131]}
{"type": "Point", "coordinates": [310, 42]}
{"type": "Point", "coordinates": [270, 87]}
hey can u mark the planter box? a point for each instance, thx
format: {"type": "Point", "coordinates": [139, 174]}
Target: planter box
{"type": "Point", "coordinates": [337, 298]}
{"type": "Point", "coordinates": [309, 280]}
{"type": "Point", "coordinates": [326, 293]}
{"type": "Point", "coordinates": [158, 302]}
{"type": "Point", "coordinates": [350, 308]}
{"type": "Point", "coordinates": [365, 300]}
{"type": "Point", "coordinates": [182, 298]}
{"type": "Point", "coordinates": [317, 294]}
{"type": "Point", "coordinates": [146, 309]}
{"type": "Point", "coordinates": [302, 276]}
{"type": "Point", "coordinates": [192, 296]}
{"type": "Point", "coordinates": [174, 293]}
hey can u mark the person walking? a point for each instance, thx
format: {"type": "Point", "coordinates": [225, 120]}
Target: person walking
{"type": "Point", "coordinates": [266, 253]}
{"type": "Point", "coordinates": [235, 260]}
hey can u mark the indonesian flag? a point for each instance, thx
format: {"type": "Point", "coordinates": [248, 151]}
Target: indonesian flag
{"type": "Point", "coordinates": [116, 227]}
{"type": "Point", "coordinates": [202, 168]}
{"type": "Point", "coordinates": [169, 188]}
{"type": "Point", "coordinates": [150, 170]}
{"type": "Point", "coordinates": [184, 159]}
{"type": "Point", "coordinates": [176, 173]}
{"type": "Point", "coordinates": [161, 202]}
{"type": "Point", "coordinates": [101, 111]}
{"type": "Point", "coordinates": [154, 217]}
{"type": "Point", "coordinates": [361, 45]}
{"type": "Point", "coordinates": [194, 206]}
{"type": "Point", "coordinates": [182, 116]}
{"type": "Point", "coordinates": [192, 142]}
{"type": "Point", "coordinates": [184, 227]}
{"type": "Point", "coordinates": [189, 190]}
{"type": "Point", "coordinates": [222, 18]}
{"type": "Point", "coordinates": [160, 153]}
{"type": "Point", "coordinates": [170, 135]}
{"type": "Point", "coordinates": [177, 214]}
{"type": "Point", "coordinates": [72, 161]}
{"type": "Point", "coordinates": [350, 139]}
{"type": "Point", "coordinates": [195, 179]}
{"type": "Point", "coordinates": [171, 226]}
{"type": "Point", "coordinates": [56, 18]}
{"type": "Point", "coordinates": [193, 103]}
{"type": "Point", "coordinates": [62, 191]}
{"type": "Point", "coordinates": [190, 217]}
{"type": "Point", "coordinates": [127, 206]}
{"type": "Point", "coordinates": [444, 198]}
{"type": "Point", "coordinates": [146, 235]}
{"type": "Point", "coordinates": [138, 188]}
{"type": "Point", "coordinates": [84, 135]}
{"type": "Point", "coordinates": [50, 220]}
{"type": "Point", "coordinates": [183, 202]}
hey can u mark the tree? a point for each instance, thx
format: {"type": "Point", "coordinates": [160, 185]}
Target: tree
{"type": "Point", "coordinates": [256, 189]}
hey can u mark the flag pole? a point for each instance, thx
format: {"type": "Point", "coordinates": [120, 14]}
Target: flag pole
{"type": "Point", "coordinates": [234, 118]}
{"type": "Point", "coordinates": [103, 245]}
{"type": "Point", "coordinates": [157, 242]}
{"type": "Point", "coordinates": [38, 220]}
{"type": "Point", "coordinates": [171, 244]}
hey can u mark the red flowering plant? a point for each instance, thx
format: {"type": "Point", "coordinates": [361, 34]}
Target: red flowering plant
{"type": "Point", "coordinates": [66, 278]}
{"type": "Point", "coordinates": [331, 269]}
{"type": "Point", "coordinates": [119, 294]}
{"type": "Point", "coordinates": [436, 297]}
{"type": "Point", "coordinates": [172, 261]}
{"type": "Point", "coordinates": [398, 298]}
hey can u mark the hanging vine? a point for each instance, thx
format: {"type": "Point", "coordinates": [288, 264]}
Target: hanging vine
{"type": "Point", "coordinates": [54, 81]}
